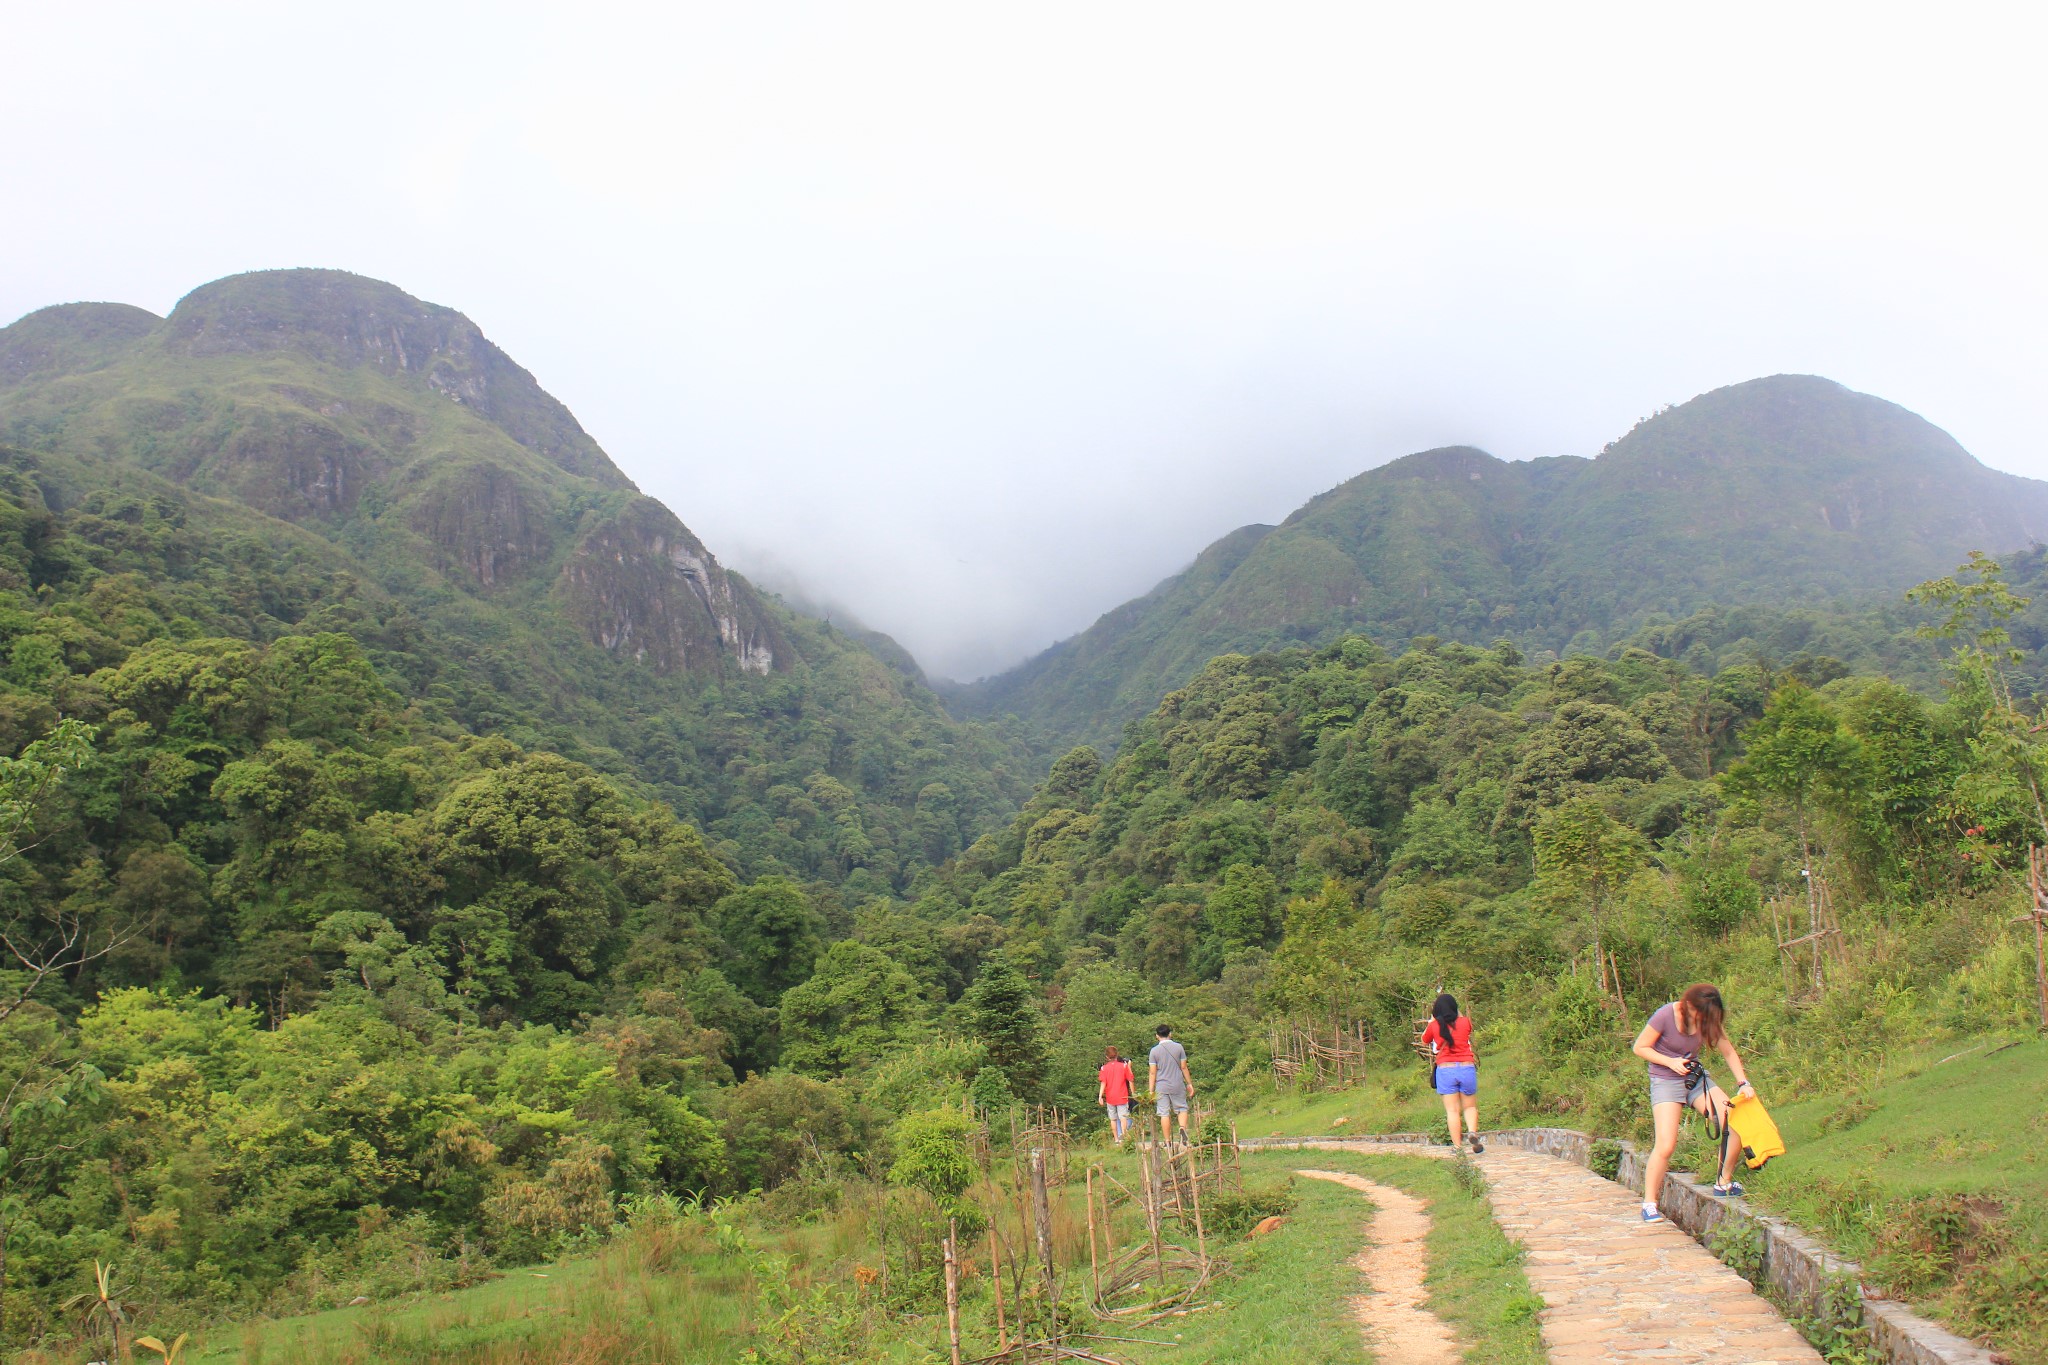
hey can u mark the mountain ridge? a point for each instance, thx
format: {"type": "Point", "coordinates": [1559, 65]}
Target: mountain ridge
{"type": "Point", "coordinates": [1788, 490]}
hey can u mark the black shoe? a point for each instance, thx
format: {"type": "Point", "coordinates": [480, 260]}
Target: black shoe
{"type": "Point", "coordinates": [1477, 1145]}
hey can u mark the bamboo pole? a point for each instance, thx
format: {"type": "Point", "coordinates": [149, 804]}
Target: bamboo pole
{"type": "Point", "coordinates": [1094, 1267]}
{"type": "Point", "coordinates": [952, 1292]}
{"type": "Point", "coordinates": [1041, 1216]}
{"type": "Point", "coordinates": [1148, 1167]}
{"type": "Point", "coordinates": [995, 1279]}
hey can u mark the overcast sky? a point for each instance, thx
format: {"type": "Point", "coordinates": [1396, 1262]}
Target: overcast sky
{"type": "Point", "coordinates": [978, 320]}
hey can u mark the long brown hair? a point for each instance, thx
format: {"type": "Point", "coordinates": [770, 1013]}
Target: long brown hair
{"type": "Point", "coordinates": [1703, 1003]}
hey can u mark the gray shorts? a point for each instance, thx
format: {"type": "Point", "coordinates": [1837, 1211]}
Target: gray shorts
{"type": "Point", "coordinates": [1664, 1090]}
{"type": "Point", "coordinates": [1172, 1103]}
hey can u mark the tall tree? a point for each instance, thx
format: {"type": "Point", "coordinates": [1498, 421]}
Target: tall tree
{"type": "Point", "coordinates": [1005, 1011]}
{"type": "Point", "coordinates": [1585, 855]}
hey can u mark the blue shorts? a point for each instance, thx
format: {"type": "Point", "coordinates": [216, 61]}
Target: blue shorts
{"type": "Point", "coordinates": [1462, 1079]}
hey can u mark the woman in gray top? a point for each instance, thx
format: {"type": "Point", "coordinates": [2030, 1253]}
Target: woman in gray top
{"type": "Point", "coordinates": [1671, 1043]}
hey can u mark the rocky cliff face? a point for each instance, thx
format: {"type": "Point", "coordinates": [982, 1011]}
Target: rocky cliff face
{"type": "Point", "coordinates": [642, 587]}
{"type": "Point", "coordinates": [391, 425]}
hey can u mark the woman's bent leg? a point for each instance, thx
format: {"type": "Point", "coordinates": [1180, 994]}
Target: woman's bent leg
{"type": "Point", "coordinates": [1451, 1107]}
{"type": "Point", "coordinates": [1666, 1118]}
{"type": "Point", "coordinates": [1731, 1150]}
{"type": "Point", "coordinates": [1471, 1113]}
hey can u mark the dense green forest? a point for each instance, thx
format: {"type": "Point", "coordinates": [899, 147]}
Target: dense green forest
{"type": "Point", "coordinates": [355, 1003]}
{"type": "Point", "coordinates": [1751, 519]}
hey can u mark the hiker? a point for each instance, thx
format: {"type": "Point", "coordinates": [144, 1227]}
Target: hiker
{"type": "Point", "coordinates": [1113, 1086]}
{"type": "Point", "coordinates": [1449, 1037]}
{"type": "Point", "coordinates": [1671, 1043]}
{"type": "Point", "coordinates": [1170, 1083]}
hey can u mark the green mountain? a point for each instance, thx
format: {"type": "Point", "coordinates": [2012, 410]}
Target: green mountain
{"type": "Point", "coordinates": [524, 586]}
{"type": "Point", "coordinates": [1785, 492]}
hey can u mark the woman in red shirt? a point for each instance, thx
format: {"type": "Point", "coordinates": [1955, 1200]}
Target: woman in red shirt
{"type": "Point", "coordinates": [1449, 1037]}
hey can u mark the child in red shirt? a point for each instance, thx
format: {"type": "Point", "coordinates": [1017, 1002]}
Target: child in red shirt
{"type": "Point", "coordinates": [1113, 1086]}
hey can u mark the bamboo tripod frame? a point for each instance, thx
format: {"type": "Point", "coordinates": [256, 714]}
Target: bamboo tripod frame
{"type": "Point", "coordinates": [1808, 954]}
{"type": "Point", "coordinates": [1321, 1054]}
{"type": "Point", "coordinates": [1151, 1277]}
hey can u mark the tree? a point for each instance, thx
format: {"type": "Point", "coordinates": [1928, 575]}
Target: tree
{"type": "Point", "coordinates": [932, 1156]}
{"type": "Point", "coordinates": [1241, 910]}
{"type": "Point", "coordinates": [1796, 748]}
{"type": "Point", "coordinates": [1585, 855]}
{"type": "Point", "coordinates": [66, 937]}
{"type": "Point", "coordinates": [772, 936]}
{"type": "Point", "coordinates": [1004, 1008]}
{"type": "Point", "coordinates": [1323, 961]}
{"type": "Point", "coordinates": [1978, 605]}
{"type": "Point", "coordinates": [858, 1005]}
{"type": "Point", "coordinates": [771, 1123]}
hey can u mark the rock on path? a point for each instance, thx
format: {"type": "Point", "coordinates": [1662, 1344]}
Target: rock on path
{"type": "Point", "coordinates": [1398, 1329]}
{"type": "Point", "coordinates": [1619, 1289]}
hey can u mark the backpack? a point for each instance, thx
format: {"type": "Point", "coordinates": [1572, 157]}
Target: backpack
{"type": "Point", "coordinates": [1753, 1131]}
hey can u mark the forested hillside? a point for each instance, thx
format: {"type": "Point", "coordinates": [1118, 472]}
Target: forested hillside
{"type": "Point", "coordinates": [442, 508]}
{"type": "Point", "coordinates": [1790, 493]}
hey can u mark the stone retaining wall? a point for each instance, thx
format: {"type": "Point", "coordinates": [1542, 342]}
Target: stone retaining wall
{"type": "Point", "coordinates": [1796, 1267]}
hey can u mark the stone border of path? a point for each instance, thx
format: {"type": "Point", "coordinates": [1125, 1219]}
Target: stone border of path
{"type": "Point", "coordinates": [1797, 1267]}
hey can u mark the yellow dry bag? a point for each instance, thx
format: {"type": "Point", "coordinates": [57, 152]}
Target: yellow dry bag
{"type": "Point", "coordinates": [1753, 1132]}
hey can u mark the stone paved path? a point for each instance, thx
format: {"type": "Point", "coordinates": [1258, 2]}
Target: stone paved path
{"type": "Point", "coordinates": [1619, 1289]}
{"type": "Point", "coordinates": [1397, 1327]}
{"type": "Point", "coordinates": [1616, 1289]}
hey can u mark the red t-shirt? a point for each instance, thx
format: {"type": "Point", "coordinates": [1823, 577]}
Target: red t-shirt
{"type": "Point", "coordinates": [1116, 1081]}
{"type": "Point", "coordinates": [1456, 1052]}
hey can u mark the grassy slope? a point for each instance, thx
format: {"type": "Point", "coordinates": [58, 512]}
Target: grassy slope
{"type": "Point", "coordinates": [1284, 1299]}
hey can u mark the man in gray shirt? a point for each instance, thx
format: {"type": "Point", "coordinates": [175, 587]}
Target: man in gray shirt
{"type": "Point", "coordinates": [1170, 1083]}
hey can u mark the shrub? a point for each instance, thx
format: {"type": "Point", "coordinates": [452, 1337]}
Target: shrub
{"type": "Point", "coordinates": [1236, 1212]}
{"type": "Point", "coordinates": [1605, 1159]}
{"type": "Point", "coordinates": [1574, 1015]}
{"type": "Point", "coordinates": [1721, 899]}
{"type": "Point", "coordinates": [773, 1123]}
{"type": "Point", "coordinates": [932, 1156]}
{"type": "Point", "coordinates": [1739, 1244]}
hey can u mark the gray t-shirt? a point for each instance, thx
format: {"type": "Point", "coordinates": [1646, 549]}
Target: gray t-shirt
{"type": "Point", "coordinates": [1167, 1056]}
{"type": "Point", "coordinates": [1671, 1042]}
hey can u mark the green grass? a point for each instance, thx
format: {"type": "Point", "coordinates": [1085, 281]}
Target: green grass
{"type": "Point", "coordinates": [1394, 1102]}
{"type": "Point", "coordinates": [668, 1294]}
{"type": "Point", "coordinates": [645, 1298]}
{"type": "Point", "coordinates": [1934, 1173]}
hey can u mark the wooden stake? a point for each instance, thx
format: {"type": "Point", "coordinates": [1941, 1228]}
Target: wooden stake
{"type": "Point", "coordinates": [995, 1279]}
{"type": "Point", "coordinates": [1149, 1167]}
{"type": "Point", "coordinates": [1041, 1217]}
{"type": "Point", "coordinates": [1094, 1267]}
{"type": "Point", "coordinates": [952, 1291]}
